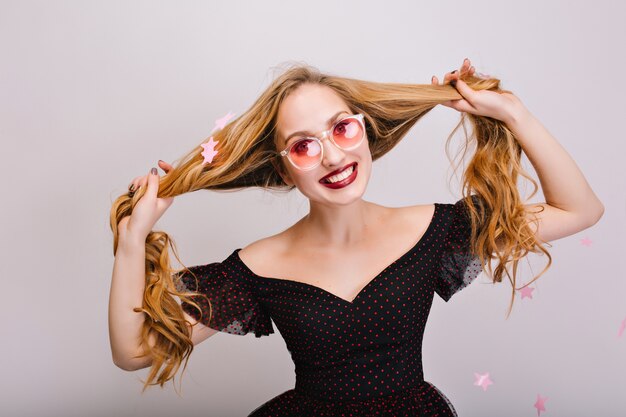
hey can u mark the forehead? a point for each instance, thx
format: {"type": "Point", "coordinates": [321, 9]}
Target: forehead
{"type": "Point", "coordinates": [308, 108]}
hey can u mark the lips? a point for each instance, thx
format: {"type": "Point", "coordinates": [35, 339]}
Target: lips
{"type": "Point", "coordinates": [335, 172]}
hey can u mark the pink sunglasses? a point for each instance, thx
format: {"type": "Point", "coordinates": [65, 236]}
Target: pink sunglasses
{"type": "Point", "coordinates": [307, 152]}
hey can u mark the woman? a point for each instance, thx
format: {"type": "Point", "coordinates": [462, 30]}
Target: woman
{"type": "Point", "coordinates": [350, 302]}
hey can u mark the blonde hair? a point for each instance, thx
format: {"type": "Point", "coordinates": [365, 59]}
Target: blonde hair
{"type": "Point", "coordinates": [247, 158]}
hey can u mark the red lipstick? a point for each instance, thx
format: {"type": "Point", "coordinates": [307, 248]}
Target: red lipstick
{"type": "Point", "coordinates": [344, 182]}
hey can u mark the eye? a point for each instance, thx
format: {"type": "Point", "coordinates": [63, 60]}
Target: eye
{"type": "Point", "coordinates": [340, 129]}
{"type": "Point", "coordinates": [301, 147]}
{"type": "Point", "coordinates": [348, 128]}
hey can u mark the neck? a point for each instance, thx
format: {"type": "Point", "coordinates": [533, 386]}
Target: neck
{"type": "Point", "coordinates": [337, 225]}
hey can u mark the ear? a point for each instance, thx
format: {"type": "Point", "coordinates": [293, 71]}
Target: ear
{"type": "Point", "coordinates": [278, 166]}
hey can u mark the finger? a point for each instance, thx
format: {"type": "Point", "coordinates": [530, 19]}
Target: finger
{"type": "Point", "coordinates": [466, 68]}
{"type": "Point", "coordinates": [459, 71]}
{"type": "Point", "coordinates": [142, 182]}
{"type": "Point", "coordinates": [434, 80]}
{"type": "Point", "coordinates": [164, 166]}
{"type": "Point", "coordinates": [449, 76]}
{"type": "Point", "coordinates": [467, 71]}
{"type": "Point", "coordinates": [464, 104]}
{"type": "Point", "coordinates": [134, 182]}
{"type": "Point", "coordinates": [459, 105]}
{"type": "Point", "coordinates": [465, 90]}
{"type": "Point", "coordinates": [153, 183]}
{"type": "Point", "coordinates": [133, 187]}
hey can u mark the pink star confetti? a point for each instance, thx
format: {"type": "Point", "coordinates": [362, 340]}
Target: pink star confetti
{"type": "Point", "coordinates": [586, 241]}
{"type": "Point", "coordinates": [222, 121]}
{"type": "Point", "coordinates": [482, 380]}
{"type": "Point", "coordinates": [621, 328]}
{"type": "Point", "coordinates": [539, 405]}
{"type": "Point", "coordinates": [209, 151]}
{"type": "Point", "coordinates": [527, 292]}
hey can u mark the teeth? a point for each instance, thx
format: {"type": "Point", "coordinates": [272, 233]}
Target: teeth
{"type": "Point", "coordinates": [342, 175]}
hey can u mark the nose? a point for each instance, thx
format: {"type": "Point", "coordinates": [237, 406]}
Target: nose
{"type": "Point", "coordinates": [333, 155]}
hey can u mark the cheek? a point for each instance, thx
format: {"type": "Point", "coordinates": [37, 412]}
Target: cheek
{"type": "Point", "coordinates": [367, 153]}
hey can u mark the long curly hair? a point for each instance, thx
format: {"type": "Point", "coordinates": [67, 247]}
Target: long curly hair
{"type": "Point", "coordinates": [248, 158]}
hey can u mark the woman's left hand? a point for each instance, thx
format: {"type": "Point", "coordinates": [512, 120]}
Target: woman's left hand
{"type": "Point", "coordinates": [500, 106]}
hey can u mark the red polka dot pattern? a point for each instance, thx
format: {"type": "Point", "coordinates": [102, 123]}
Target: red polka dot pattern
{"type": "Point", "coordinates": [352, 358]}
{"type": "Point", "coordinates": [458, 266]}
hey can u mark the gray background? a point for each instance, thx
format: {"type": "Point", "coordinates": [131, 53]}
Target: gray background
{"type": "Point", "coordinates": [92, 94]}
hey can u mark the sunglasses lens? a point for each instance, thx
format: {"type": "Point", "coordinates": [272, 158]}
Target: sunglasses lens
{"type": "Point", "coordinates": [305, 153]}
{"type": "Point", "coordinates": [348, 132]}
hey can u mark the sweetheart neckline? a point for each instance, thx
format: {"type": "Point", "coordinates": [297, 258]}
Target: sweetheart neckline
{"type": "Point", "coordinates": [352, 302]}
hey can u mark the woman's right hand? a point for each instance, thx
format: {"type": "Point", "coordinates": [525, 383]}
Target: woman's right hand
{"type": "Point", "coordinates": [148, 209]}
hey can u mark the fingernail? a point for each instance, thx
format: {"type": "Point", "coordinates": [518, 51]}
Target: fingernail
{"type": "Point", "coordinates": [153, 171]}
{"type": "Point", "coordinates": [131, 187]}
{"type": "Point", "coordinates": [453, 72]}
{"type": "Point", "coordinates": [160, 160]}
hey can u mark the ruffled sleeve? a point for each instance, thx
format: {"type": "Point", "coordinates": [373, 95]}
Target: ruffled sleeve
{"type": "Point", "coordinates": [234, 307]}
{"type": "Point", "coordinates": [458, 267]}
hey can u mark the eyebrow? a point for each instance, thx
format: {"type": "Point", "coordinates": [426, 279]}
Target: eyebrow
{"type": "Point", "coordinates": [304, 132]}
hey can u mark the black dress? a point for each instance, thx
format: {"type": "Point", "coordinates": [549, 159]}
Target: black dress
{"type": "Point", "coordinates": [359, 358]}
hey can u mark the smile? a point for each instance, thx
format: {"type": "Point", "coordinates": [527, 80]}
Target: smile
{"type": "Point", "coordinates": [341, 179]}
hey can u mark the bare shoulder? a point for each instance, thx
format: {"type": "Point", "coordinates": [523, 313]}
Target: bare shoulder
{"type": "Point", "coordinates": [417, 216]}
{"type": "Point", "coordinates": [406, 221]}
{"type": "Point", "coordinates": [255, 254]}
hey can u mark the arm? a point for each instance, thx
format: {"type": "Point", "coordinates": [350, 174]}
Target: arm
{"type": "Point", "coordinates": [571, 205]}
{"type": "Point", "coordinates": [127, 288]}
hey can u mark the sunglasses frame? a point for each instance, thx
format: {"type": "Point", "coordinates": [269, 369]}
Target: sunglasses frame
{"type": "Point", "coordinates": [327, 133]}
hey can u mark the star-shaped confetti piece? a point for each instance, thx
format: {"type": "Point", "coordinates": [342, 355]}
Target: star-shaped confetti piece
{"type": "Point", "coordinates": [527, 292]}
{"type": "Point", "coordinates": [621, 328]}
{"type": "Point", "coordinates": [222, 121]}
{"type": "Point", "coordinates": [482, 380]}
{"type": "Point", "coordinates": [209, 150]}
{"type": "Point", "coordinates": [539, 405]}
{"type": "Point", "coordinates": [586, 241]}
